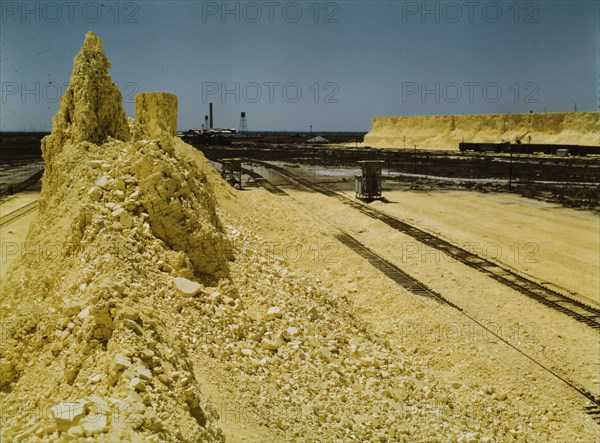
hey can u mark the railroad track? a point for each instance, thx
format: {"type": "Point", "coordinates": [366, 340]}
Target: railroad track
{"type": "Point", "coordinates": [392, 271]}
{"type": "Point", "coordinates": [18, 213]}
{"type": "Point", "coordinates": [259, 179]}
{"type": "Point", "coordinates": [574, 308]}
{"type": "Point", "coordinates": [592, 406]}
{"type": "Point", "coordinates": [33, 179]}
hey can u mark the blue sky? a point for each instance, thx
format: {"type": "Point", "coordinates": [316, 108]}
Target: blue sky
{"type": "Point", "coordinates": [292, 64]}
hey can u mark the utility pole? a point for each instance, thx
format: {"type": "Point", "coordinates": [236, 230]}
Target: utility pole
{"type": "Point", "coordinates": [510, 169]}
{"type": "Point", "coordinates": [415, 159]}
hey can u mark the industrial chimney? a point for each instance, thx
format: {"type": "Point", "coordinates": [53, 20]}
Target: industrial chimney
{"type": "Point", "coordinates": [210, 113]}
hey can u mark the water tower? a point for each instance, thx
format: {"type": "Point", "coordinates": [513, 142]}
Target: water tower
{"type": "Point", "coordinates": [243, 125]}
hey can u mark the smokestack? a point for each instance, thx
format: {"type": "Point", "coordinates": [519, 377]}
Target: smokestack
{"type": "Point", "coordinates": [210, 113]}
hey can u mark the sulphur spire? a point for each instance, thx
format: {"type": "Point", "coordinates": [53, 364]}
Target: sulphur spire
{"type": "Point", "coordinates": [91, 109]}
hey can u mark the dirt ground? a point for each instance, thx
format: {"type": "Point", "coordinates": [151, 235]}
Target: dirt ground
{"type": "Point", "coordinates": [12, 235]}
{"type": "Point", "coordinates": [301, 228]}
{"type": "Point", "coordinates": [555, 245]}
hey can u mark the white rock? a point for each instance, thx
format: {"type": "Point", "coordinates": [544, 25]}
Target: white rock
{"type": "Point", "coordinates": [187, 287]}
{"type": "Point", "coordinates": [84, 313]}
{"type": "Point", "coordinates": [273, 312]}
{"type": "Point", "coordinates": [272, 345]}
{"type": "Point", "coordinates": [253, 315]}
{"type": "Point", "coordinates": [118, 212]}
{"type": "Point", "coordinates": [121, 362]}
{"type": "Point", "coordinates": [69, 413]}
{"type": "Point", "coordinates": [135, 402]}
{"type": "Point", "coordinates": [95, 193]}
{"type": "Point", "coordinates": [138, 384]}
{"type": "Point", "coordinates": [100, 405]}
{"type": "Point", "coordinates": [143, 372]}
{"type": "Point", "coordinates": [103, 182]}
{"type": "Point", "coordinates": [95, 424]}
{"type": "Point", "coordinates": [75, 431]}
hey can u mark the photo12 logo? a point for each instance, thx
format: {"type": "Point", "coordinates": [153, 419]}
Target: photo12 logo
{"type": "Point", "coordinates": [270, 91]}
{"type": "Point", "coordinates": [51, 92]}
{"type": "Point", "coordinates": [516, 253]}
{"type": "Point", "coordinates": [269, 12]}
{"type": "Point", "coordinates": [469, 91]}
{"type": "Point", "coordinates": [486, 331]}
{"type": "Point", "coordinates": [69, 12]}
{"type": "Point", "coordinates": [469, 12]}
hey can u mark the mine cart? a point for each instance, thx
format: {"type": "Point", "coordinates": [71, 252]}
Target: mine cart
{"type": "Point", "coordinates": [232, 171]}
{"type": "Point", "coordinates": [368, 182]}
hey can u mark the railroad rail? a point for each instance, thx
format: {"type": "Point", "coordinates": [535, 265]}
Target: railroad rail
{"type": "Point", "coordinates": [18, 213]}
{"type": "Point", "coordinates": [592, 407]}
{"type": "Point", "coordinates": [392, 271]}
{"type": "Point", "coordinates": [260, 180]}
{"type": "Point", "coordinates": [30, 181]}
{"type": "Point", "coordinates": [576, 309]}
{"type": "Point", "coordinates": [420, 289]}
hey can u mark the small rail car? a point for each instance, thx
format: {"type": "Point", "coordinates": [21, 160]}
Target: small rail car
{"type": "Point", "coordinates": [367, 183]}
